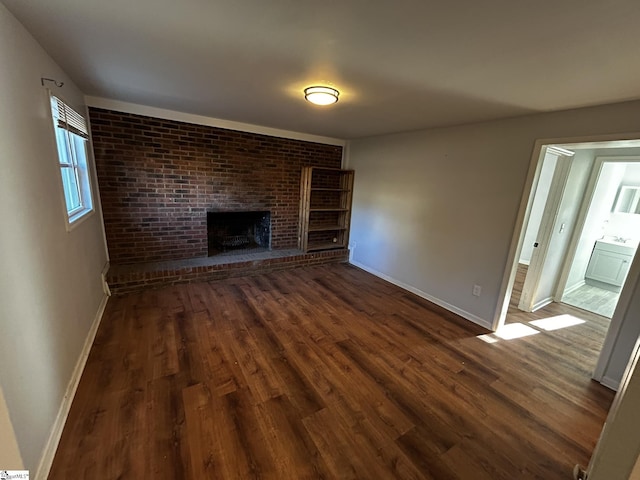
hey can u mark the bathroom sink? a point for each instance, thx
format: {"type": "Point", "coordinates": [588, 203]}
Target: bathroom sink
{"type": "Point", "coordinates": [629, 242]}
{"type": "Point", "coordinates": [610, 245]}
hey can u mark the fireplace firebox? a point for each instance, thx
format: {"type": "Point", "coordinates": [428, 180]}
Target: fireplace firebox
{"type": "Point", "coordinates": [233, 231]}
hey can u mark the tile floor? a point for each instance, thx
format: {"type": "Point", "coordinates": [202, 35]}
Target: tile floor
{"type": "Point", "coordinates": [593, 299]}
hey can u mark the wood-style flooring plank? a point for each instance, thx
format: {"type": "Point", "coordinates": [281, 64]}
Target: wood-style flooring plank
{"type": "Point", "coordinates": [219, 445]}
{"type": "Point", "coordinates": [326, 373]}
{"type": "Point", "coordinates": [166, 442]}
{"type": "Point", "coordinates": [294, 453]}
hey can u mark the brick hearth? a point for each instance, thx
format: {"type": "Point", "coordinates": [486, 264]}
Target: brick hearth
{"type": "Point", "coordinates": [129, 278]}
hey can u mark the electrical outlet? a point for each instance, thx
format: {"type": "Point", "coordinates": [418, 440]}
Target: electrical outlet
{"type": "Point", "coordinates": [477, 290]}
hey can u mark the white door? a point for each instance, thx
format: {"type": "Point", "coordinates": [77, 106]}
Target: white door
{"type": "Point", "coordinates": [537, 291]}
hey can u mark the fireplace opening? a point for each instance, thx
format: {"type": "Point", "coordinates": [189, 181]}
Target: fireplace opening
{"type": "Point", "coordinates": [238, 232]}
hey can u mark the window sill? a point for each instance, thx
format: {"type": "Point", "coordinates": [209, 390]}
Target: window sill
{"type": "Point", "coordinates": [79, 217]}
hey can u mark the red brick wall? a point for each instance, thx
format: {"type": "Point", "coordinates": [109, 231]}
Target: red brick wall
{"type": "Point", "coordinates": [159, 177]}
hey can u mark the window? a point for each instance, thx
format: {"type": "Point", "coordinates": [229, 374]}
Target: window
{"type": "Point", "coordinates": [72, 136]}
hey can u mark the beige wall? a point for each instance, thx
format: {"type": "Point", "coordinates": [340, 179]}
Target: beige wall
{"type": "Point", "coordinates": [9, 453]}
{"type": "Point", "coordinates": [50, 286]}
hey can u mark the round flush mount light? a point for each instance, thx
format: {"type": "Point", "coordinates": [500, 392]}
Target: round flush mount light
{"type": "Point", "coordinates": [321, 95]}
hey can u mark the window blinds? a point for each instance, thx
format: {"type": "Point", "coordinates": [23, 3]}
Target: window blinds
{"type": "Point", "coordinates": [67, 118]}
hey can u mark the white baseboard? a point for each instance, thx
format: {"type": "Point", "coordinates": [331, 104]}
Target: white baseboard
{"type": "Point", "coordinates": [573, 288]}
{"type": "Point", "coordinates": [542, 303]}
{"type": "Point", "coordinates": [610, 383]}
{"type": "Point", "coordinates": [447, 306]}
{"type": "Point", "coordinates": [103, 278]}
{"type": "Point", "coordinates": [56, 431]}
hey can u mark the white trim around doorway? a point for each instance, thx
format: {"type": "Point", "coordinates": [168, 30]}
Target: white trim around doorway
{"type": "Point", "coordinates": [522, 217]}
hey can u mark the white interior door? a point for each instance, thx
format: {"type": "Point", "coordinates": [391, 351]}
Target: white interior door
{"type": "Point", "coordinates": [535, 293]}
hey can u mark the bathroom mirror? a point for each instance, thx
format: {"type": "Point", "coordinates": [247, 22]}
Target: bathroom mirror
{"type": "Point", "coordinates": [628, 200]}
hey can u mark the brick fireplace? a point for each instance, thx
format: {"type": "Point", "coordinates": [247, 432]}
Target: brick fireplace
{"type": "Point", "coordinates": [159, 179]}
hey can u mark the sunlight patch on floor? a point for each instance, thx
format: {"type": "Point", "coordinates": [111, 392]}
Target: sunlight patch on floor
{"type": "Point", "coordinates": [489, 338]}
{"type": "Point", "coordinates": [515, 330]}
{"type": "Point", "coordinates": [509, 332]}
{"type": "Point", "coordinates": [557, 322]}
{"type": "Point", "coordinates": [519, 330]}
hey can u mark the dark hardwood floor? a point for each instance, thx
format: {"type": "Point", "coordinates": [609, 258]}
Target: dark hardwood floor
{"type": "Point", "coordinates": [324, 372]}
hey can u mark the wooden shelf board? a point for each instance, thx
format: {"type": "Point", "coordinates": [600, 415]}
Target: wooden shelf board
{"type": "Point", "coordinates": [325, 228]}
{"type": "Point", "coordinates": [337, 170]}
{"type": "Point", "coordinates": [313, 189]}
{"type": "Point", "coordinates": [324, 246]}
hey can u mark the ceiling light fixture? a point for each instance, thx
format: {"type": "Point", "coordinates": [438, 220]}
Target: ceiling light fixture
{"type": "Point", "coordinates": [321, 95]}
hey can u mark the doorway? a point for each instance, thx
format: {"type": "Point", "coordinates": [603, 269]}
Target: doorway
{"type": "Point", "coordinates": [563, 268]}
{"type": "Point", "coordinates": [580, 249]}
{"type": "Point", "coordinates": [607, 239]}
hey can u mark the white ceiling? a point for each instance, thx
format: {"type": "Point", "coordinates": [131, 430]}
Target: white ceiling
{"type": "Point", "coordinates": [400, 65]}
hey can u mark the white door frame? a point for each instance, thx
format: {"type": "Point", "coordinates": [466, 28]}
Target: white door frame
{"type": "Point", "coordinates": [508, 278]}
{"type": "Point", "coordinates": [624, 301]}
{"type": "Point", "coordinates": [529, 301]}
{"type": "Point", "coordinates": [582, 215]}
{"type": "Point", "coordinates": [614, 435]}
{"type": "Point", "coordinates": [633, 277]}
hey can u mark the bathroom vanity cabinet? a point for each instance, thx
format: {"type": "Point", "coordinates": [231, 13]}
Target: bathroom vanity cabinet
{"type": "Point", "coordinates": [610, 262]}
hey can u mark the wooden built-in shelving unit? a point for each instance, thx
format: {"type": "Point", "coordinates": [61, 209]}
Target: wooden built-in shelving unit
{"type": "Point", "coordinates": [325, 208]}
